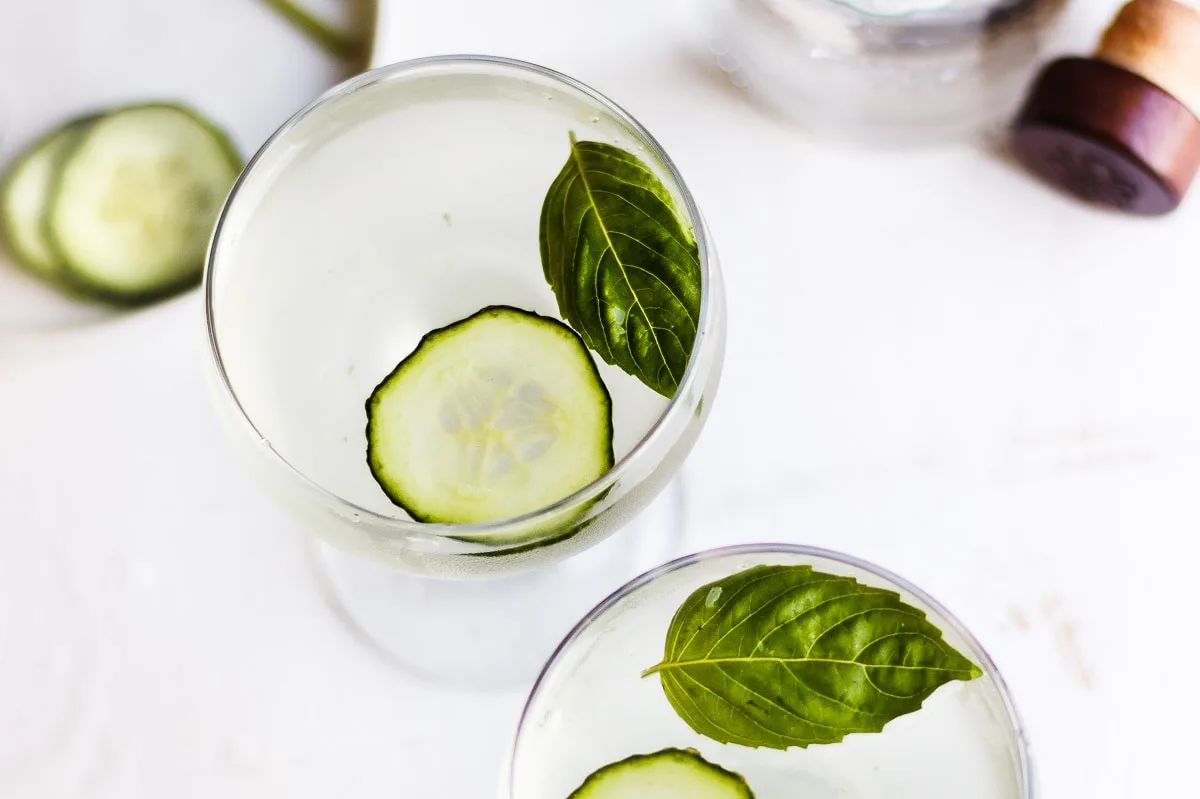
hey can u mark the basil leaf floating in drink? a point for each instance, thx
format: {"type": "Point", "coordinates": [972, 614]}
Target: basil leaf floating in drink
{"type": "Point", "coordinates": [782, 656]}
{"type": "Point", "coordinates": [623, 263]}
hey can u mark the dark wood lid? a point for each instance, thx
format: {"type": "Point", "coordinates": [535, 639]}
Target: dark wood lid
{"type": "Point", "coordinates": [1108, 136]}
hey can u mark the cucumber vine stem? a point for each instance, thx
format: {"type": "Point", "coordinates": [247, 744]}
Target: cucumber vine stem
{"type": "Point", "coordinates": [331, 39]}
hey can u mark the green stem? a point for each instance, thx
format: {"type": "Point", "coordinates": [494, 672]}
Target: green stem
{"type": "Point", "coordinates": [333, 40]}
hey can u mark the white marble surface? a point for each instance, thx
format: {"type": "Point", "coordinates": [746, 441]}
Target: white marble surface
{"type": "Point", "coordinates": [933, 363]}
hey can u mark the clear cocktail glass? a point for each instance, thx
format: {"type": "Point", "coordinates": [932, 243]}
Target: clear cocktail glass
{"type": "Point", "coordinates": [402, 201]}
{"type": "Point", "coordinates": [595, 704]}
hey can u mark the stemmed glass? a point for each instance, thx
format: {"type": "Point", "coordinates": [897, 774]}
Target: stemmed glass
{"type": "Point", "coordinates": [401, 201]}
{"type": "Point", "coordinates": [593, 706]}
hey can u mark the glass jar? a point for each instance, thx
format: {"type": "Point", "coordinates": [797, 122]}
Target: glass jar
{"type": "Point", "coordinates": [885, 71]}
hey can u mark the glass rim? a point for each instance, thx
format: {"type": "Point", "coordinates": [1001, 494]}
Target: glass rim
{"type": "Point", "coordinates": [434, 65]}
{"type": "Point", "coordinates": [949, 12]}
{"type": "Point", "coordinates": [1027, 782]}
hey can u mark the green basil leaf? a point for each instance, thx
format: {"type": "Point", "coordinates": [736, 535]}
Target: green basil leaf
{"type": "Point", "coordinates": [782, 656]}
{"type": "Point", "coordinates": [623, 263]}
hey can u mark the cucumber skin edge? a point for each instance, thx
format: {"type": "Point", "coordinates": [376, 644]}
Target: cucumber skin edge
{"type": "Point", "coordinates": [692, 756]}
{"type": "Point", "coordinates": [58, 279]}
{"type": "Point", "coordinates": [432, 336]}
{"type": "Point", "coordinates": [89, 288]}
{"type": "Point", "coordinates": [522, 545]}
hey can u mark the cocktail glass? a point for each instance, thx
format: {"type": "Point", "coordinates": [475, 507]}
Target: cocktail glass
{"type": "Point", "coordinates": [591, 706]}
{"type": "Point", "coordinates": [403, 200]}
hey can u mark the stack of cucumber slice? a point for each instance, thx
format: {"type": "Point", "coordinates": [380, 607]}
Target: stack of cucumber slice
{"type": "Point", "coordinates": [119, 206]}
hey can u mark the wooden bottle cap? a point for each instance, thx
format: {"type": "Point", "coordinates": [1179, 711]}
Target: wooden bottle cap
{"type": "Point", "coordinates": [1159, 40]}
{"type": "Point", "coordinates": [1121, 129]}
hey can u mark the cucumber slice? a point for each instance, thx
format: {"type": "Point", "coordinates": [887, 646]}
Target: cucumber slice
{"type": "Point", "coordinates": [25, 192]}
{"type": "Point", "coordinates": [135, 201]}
{"type": "Point", "coordinates": [668, 774]}
{"type": "Point", "coordinates": [494, 416]}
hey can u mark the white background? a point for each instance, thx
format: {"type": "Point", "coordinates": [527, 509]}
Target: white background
{"type": "Point", "coordinates": [934, 363]}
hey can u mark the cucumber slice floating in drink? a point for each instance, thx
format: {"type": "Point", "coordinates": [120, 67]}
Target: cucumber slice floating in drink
{"type": "Point", "coordinates": [668, 774]}
{"type": "Point", "coordinates": [492, 417]}
{"type": "Point", "coordinates": [133, 203]}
